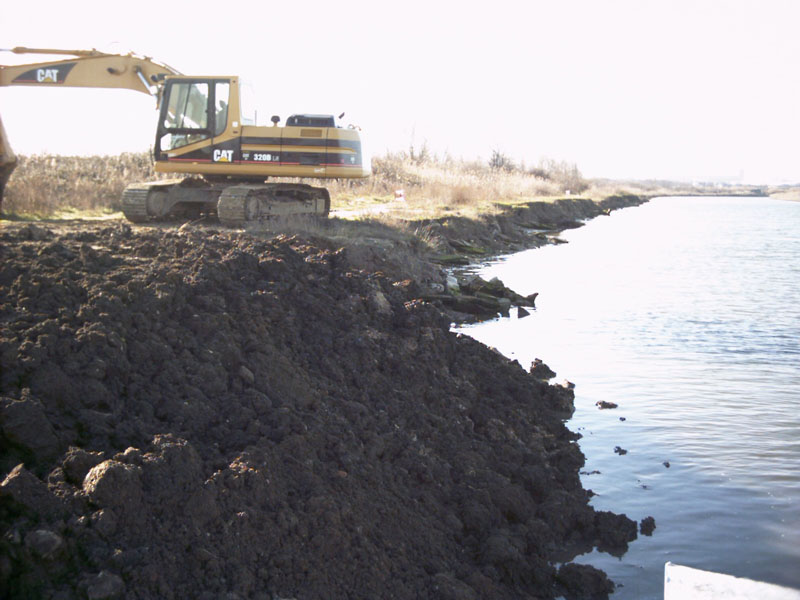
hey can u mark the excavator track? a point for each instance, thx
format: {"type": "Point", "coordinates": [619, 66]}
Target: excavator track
{"type": "Point", "coordinates": [168, 200]}
{"type": "Point", "coordinates": [232, 207]}
{"type": "Point", "coordinates": [236, 205]}
{"type": "Point", "coordinates": [134, 204]}
{"type": "Point", "coordinates": [241, 205]}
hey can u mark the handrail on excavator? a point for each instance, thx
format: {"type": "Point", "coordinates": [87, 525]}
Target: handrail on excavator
{"type": "Point", "coordinates": [24, 50]}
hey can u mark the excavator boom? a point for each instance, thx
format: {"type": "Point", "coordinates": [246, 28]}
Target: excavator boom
{"type": "Point", "coordinates": [87, 68]}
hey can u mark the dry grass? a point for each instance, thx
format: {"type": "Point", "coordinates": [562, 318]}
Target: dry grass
{"type": "Point", "coordinates": [53, 186]}
{"type": "Point", "coordinates": [432, 187]}
{"type": "Point", "coordinates": [47, 186]}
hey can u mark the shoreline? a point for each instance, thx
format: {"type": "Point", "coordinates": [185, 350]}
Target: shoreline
{"type": "Point", "coordinates": [461, 243]}
{"type": "Point", "coordinates": [281, 414]}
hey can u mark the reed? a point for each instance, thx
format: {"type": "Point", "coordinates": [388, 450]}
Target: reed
{"type": "Point", "coordinates": [47, 185]}
{"type": "Point", "coordinates": [413, 185]}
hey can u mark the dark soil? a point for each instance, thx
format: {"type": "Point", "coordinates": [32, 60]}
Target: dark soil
{"type": "Point", "coordinates": [191, 413]}
{"type": "Point", "coordinates": [520, 227]}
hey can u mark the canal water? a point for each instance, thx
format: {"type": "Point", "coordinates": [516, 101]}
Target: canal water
{"type": "Point", "coordinates": [685, 312]}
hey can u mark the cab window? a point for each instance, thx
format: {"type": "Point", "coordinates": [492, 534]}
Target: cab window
{"type": "Point", "coordinates": [193, 111]}
{"type": "Point", "coordinates": [187, 106]}
{"type": "Point", "coordinates": [222, 91]}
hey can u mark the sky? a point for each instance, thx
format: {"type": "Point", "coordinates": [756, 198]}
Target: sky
{"type": "Point", "coordinates": [625, 89]}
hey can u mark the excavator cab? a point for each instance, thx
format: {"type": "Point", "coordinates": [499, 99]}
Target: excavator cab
{"type": "Point", "coordinates": [200, 131]}
{"type": "Point", "coordinates": [192, 110]}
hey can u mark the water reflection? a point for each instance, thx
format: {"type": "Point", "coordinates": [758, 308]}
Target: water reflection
{"type": "Point", "coordinates": [686, 313]}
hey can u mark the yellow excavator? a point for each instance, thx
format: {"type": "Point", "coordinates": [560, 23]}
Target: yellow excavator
{"type": "Point", "coordinates": [201, 133]}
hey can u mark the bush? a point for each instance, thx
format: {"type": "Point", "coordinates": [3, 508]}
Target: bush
{"type": "Point", "coordinates": [501, 161]}
{"type": "Point", "coordinates": [566, 175]}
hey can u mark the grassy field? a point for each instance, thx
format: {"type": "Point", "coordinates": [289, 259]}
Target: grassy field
{"type": "Point", "coordinates": [403, 186]}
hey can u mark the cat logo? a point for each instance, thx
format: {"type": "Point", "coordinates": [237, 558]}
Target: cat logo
{"type": "Point", "coordinates": [223, 155]}
{"type": "Point", "coordinates": [47, 75]}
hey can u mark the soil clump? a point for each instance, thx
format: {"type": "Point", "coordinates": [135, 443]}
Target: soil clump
{"type": "Point", "coordinates": [213, 414]}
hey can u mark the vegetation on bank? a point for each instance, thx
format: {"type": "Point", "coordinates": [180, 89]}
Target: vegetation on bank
{"type": "Point", "coordinates": [419, 185]}
{"type": "Point", "coordinates": [52, 186]}
{"type": "Point", "coordinates": [406, 185]}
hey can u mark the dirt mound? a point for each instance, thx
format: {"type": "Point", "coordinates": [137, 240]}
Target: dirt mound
{"type": "Point", "coordinates": [208, 414]}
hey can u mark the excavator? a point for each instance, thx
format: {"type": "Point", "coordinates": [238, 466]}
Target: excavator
{"type": "Point", "coordinates": [225, 159]}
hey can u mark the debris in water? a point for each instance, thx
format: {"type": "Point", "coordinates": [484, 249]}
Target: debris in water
{"type": "Point", "coordinates": [647, 525]}
{"type": "Point", "coordinates": [603, 404]}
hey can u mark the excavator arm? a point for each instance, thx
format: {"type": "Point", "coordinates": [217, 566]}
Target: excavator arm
{"type": "Point", "coordinates": [8, 160]}
{"type": "Point", "coordinates": [83, 68]}
{"type": "Point", "coordinates": [87, 68]}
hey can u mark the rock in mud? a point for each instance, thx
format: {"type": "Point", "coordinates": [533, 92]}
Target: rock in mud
{"type": "Point", "coordinates": [44, 543]}
{"type": "Point", "coordinates": [540, 370]}
{"type": "Point", "coordinates": [114, 484]}
{"type": "Point", "coordinates": [105, 586]}
{"type": "Point", "coordinates": [21, 491]}
{"type": "Point", "coordinates": [24, 425]}
{"type": "Point", "coordinates": [77, 462]}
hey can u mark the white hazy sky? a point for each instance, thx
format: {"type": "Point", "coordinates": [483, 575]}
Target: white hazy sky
{"type": "Point", "coordinates": [624, 88]}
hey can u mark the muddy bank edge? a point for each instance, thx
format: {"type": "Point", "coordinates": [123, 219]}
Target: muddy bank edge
{"type": "Point", "coordinates": [196, 413]}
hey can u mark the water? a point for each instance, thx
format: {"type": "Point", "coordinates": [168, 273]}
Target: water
{"type": "Point", "coordinates": [686, 313]}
